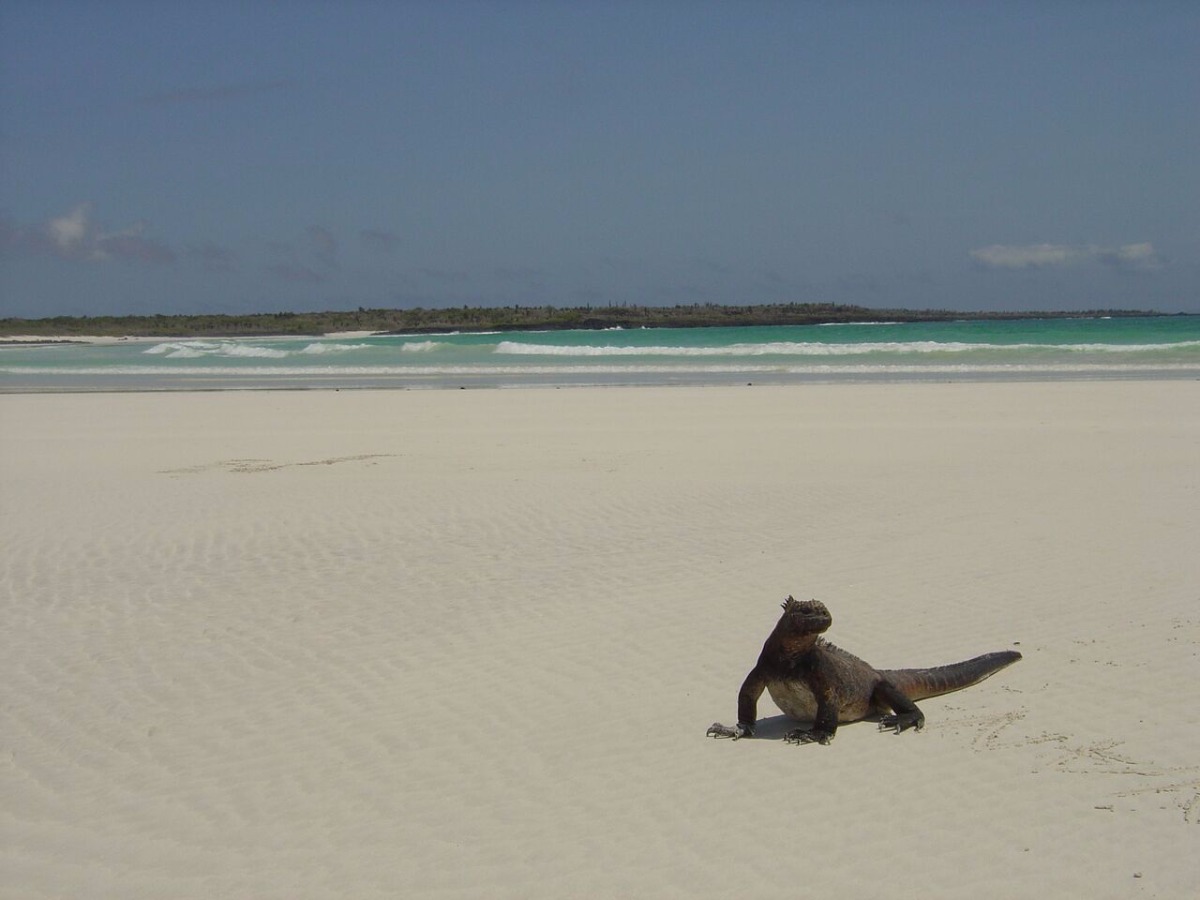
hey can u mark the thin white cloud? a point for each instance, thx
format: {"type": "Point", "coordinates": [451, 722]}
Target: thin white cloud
{"type": "Point", "coordinates": [130, 244]}
{"type": "Point", "coordinates": [68, 232]}
{"type": "Point", "coordinates": [1132, 257]}
{"type": "Point", "coordinates": [1028, 256]}
{"type": "Point", "coordinates": [1139, 257]}
{"type": "Point", "coordinates": [73, 236]}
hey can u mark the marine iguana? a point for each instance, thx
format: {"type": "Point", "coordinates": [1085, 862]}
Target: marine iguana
{"type": "Point", "coordinates": [813, 681]}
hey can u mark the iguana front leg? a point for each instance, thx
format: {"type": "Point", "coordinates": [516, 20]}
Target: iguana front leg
{"type": "Point", "coordinates": [904, 712]}
{"type": "Point", "coordinates": [824, 725]}
{"type": "Point", "coordinates": [751, 690]}
{"type": "Point", "coordinates": [717, 730]}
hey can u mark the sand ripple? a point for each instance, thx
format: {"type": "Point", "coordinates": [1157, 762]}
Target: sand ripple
{"type": "Point", "coordinates": [380, 645]}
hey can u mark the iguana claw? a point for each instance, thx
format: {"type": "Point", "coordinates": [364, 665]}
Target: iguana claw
{"type": "Point", "coordinates": [718, 730]}
{"type": "Point", "coordinates": [808, 736]}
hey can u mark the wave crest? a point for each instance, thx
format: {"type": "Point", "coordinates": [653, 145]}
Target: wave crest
{"type": "Point", "coordinates": [225, 349]}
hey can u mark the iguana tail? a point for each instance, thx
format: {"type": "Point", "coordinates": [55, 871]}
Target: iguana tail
{"type": "Point", "coordinates": [917, 684]}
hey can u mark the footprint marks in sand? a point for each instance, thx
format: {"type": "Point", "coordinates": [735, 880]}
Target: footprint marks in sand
{"type": "Point", "coordinates": [242, 466]}
{"type": "Point", "coordinates": [1072, 755]}
{"type": "Point", "coordinates": [1105, 757]}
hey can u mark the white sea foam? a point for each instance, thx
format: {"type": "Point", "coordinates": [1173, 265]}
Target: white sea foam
{"type": "Point", "coordinates": [327, 348]}
{"type": "Point", "coordinates": [181, 347]}
{"type": "Point", "coordinates": [648, 369]}
{"type": "Point", "coordinates": [852, 324]}
{"type": "Point", "coordinates": [249, 351]}
{"type": "Point", "coordinates": [185, 353]}
{"type": "Point", "coordinates": [199, 349]}
{"type": "Point", "coordinates": [793, 348]}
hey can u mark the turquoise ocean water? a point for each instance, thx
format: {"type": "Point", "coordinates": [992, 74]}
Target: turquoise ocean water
{"type": "Point", "coordinates": [1025, 349]}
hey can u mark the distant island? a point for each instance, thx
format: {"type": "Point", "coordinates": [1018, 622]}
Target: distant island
{"type": "Point", "coordinates": [500, 318]}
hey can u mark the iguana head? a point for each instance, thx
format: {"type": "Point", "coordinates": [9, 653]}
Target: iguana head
{"type": "Point", "coordinates": [804, 617]}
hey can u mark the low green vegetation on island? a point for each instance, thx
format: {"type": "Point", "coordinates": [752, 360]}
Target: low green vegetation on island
{"type": "Point", "coordinates": [499, 318]}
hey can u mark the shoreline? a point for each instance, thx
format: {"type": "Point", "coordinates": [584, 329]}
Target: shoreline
{"type": "Point", "coordinates": [33, 340]}
{"type": "Point", "coordinates": [564, 379]}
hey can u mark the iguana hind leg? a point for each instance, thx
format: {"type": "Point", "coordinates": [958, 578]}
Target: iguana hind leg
{"type": "Point", "coordinates": [904, 712]}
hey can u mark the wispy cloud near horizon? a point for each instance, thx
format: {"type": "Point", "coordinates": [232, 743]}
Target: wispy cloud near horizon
{"type": "Point", "coordinates": [1132, 257]}
{"type": "Point", "coordinates": [74, 237]}
{"type": "Point", "coordinates": [1139, 257]}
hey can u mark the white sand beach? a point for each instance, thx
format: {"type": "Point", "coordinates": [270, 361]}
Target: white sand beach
{"type": "Point", "coordinates": [379, 644]}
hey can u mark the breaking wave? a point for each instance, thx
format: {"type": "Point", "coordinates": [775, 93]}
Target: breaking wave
{"type": "Point", "coordinates": [326, 348]}
{"type": "Point", "coordinates": [202, 349]}
{"type": "Point", "coordinates": [1153, 348]}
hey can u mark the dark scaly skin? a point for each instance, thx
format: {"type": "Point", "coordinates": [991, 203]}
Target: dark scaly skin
{"type": "Point", "coordinates": [812, 680]}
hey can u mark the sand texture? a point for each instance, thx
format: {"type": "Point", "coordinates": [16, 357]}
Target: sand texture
{"type": "Point", "coordinates": [385, 644]}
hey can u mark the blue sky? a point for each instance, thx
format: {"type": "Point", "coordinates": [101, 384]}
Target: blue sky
{"type": "Point", "coordinates": [265, 156]}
